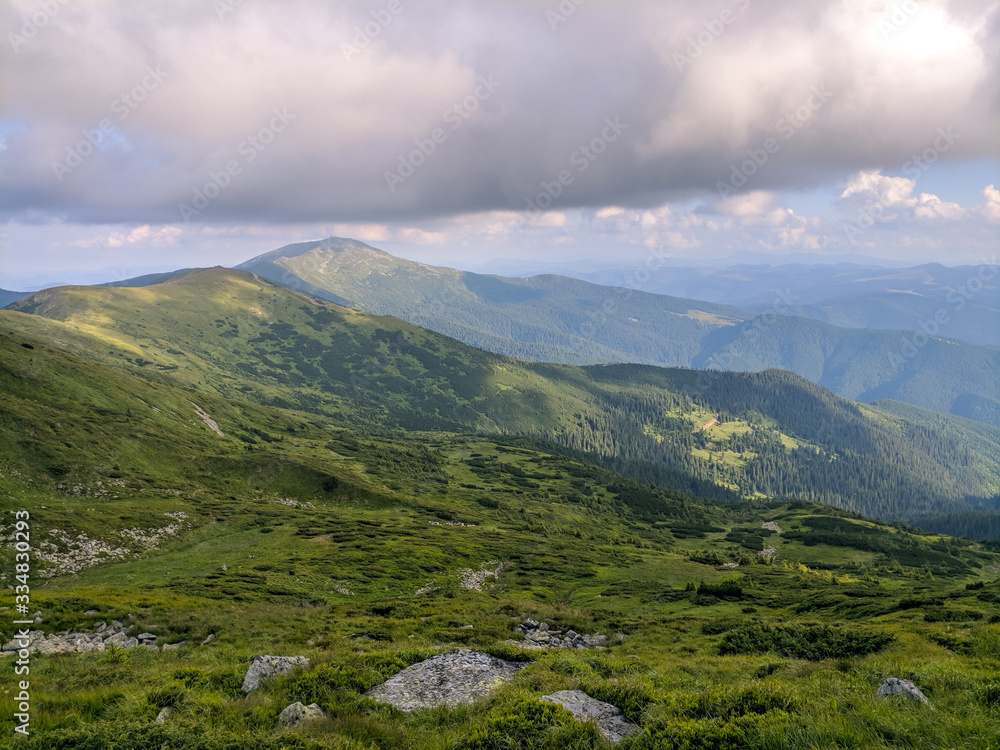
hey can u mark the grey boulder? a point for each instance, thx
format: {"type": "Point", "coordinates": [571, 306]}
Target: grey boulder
{"type": "Point", "coordinates": [894, 686]}
{"type": "Point", "coordinates": [262, 667]}
{"type": "Point", "coordinates": [297, 714]}
{"type": "Point", "coordinates": [608, 718]}
{"type": "Point", "coordinates": [449, 679]}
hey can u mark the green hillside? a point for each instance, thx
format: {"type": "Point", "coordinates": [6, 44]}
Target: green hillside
{"type": "Point", "coordinates": [868, 365]}
{"type": "Point", "coordinates": [769, 435]}
{"type": "Point", "coordinates": [543, 318]}
{"type": "Point", "coordinates": [558, 319]}
{"type": "Point", "coordinates": [184, 514]}
{"type": "Point", "coordinates": [6, 297]}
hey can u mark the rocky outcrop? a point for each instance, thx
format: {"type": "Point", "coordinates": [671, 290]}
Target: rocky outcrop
{"type": "Point", "coordinates": [894, 686]}
{"type": "Point", "coordinates": [297, 714]}
{"type": "Point", "coordinates": [448, 679]}
{"type": "Point", "coordinates": [772, 526]}
{"type": "Point", "coordinates": [539, 635]}
{"type": "Point", "coordinates": [475, 580]}
{"type": "Point", "coordinates": [68, 642]}
{"type": "Point", "coordinates": [608, 718]}
{"type": "Point", "coordinates": [262, 667]}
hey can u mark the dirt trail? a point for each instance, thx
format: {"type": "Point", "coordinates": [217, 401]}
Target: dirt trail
{"type": "Point", "coordinates": [706, 425]}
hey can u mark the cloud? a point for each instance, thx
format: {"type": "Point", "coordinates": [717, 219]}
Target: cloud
{"type": "Point", "coordinates": [488, 98]}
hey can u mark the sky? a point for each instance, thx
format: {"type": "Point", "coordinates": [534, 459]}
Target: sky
{"type": "Point", "coordinates": [141, 135]}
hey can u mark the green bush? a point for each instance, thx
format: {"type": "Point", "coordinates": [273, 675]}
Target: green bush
{"type": "Point", "coordinates": [709, 734]}
{"type": "Point", "coordinates": [516, 726]}
{"type": "Point", "coordinates": [803, 641]}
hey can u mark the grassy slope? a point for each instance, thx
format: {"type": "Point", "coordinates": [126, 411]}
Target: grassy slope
{"type": "Point", "coordinates": [557, 319]}
{"type": "Point", "coordinates": [543, 318]}
{"type": "Point", "coordinates": [93, 450]}
{"type": "Point", "coordinates": [230, 334]}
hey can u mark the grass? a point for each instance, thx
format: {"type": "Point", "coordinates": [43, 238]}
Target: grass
{"type": "Point", "coordinates": [380, 515]}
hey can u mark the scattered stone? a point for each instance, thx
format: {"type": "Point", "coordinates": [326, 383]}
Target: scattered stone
{"type": "Point", "coordinates": [476, 579]}
{"type": "Point", "coordinates": [895, 686]}
{"type": "Point", "coordinates": [449, 679]}
{"type": "Point", "coordinates": [538, 635]}
{"type": "Point", "coordinates": [211, 423]}
{"type": "Point", "coordinates": [72, 642]}
{"type": "Point", "coordinates": [164, 714]}
{"type": "Point", "coordinates": [173, 646]}
{"type": "Point", "coordinates": [768, 552]}
{"type": "Point", "coordinates": [772, 526]}
{"type": "Point", "coordinates": [297, 714]}
{"type": "Point", "coordinates": [262, 667]}
{"type": "Point", "coordinates": [608, 718]}
{"type": "Point", "coordinates": [293, 503]}
{"type": "Point", "coordinates": [208, 639]}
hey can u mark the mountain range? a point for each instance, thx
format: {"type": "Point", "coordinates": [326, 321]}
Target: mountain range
{"type": "Point", "coordinates": [553, 318]}
{"type": "Point", "coordinates": [722, 435]}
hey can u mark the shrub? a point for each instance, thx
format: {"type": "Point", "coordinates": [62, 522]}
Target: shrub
{"type": "Point", "coordinates": [802, 641]}
{"type": "Point", "coordinates": [515, 726]}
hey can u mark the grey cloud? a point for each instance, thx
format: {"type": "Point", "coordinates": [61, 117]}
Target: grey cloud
{"type": "Point", "coordinates": [356, 113]}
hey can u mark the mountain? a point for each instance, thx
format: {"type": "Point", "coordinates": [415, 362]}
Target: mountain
{"type": "Point", "coordinates": [848, 295]}
{"type": "Point", "coordinates": [544, 318]}
{"type": "Point", "coordinates": [557, 319]}
{"type": "Point", "coordinates": [222, 530]}
{"type": "Point", "coordinates": [723, 435]}
{"type": "Point", "coordinates": [6, 297]}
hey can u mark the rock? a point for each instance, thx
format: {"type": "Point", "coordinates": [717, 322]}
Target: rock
{"type": "Point", "coordinates": [130, 642]}
{"type": "Point", "coordinates": [90, 612]}
{"type": "Point", "coordinates": [116, 625]}
{"type": "Point", "coordinates": [538, 635]}
{"type": "Point", "coordinates": [145, 638]}
{"type": "Point", "coordinates": [208, 639]}
{"type": "Point", "coordinates": [262, 667]}
{"type": "Point", "coordinates": [164, 714]}
{"type": "Point", "coordinates": [116, 639]}
{"type": "Point", "coordinates": [173, 646]}
{"type": "Point", "coordinates": [449, 679]}
{"type": "Point", "coordinates": [296, 714]}
{"type": "Point", "coordinates": [895, 686]}
{"type": "Point", "coordinates": [608, 718]}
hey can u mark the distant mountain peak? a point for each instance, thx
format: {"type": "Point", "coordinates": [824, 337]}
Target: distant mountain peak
{"type": "Point", "coordinates": [330, 244]}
